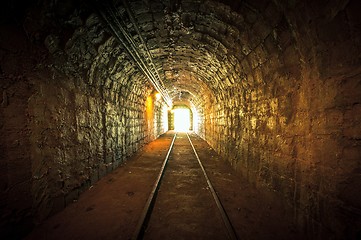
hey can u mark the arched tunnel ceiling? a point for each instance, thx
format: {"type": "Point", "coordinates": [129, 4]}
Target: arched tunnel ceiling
{"type": "Point", "coordinates": [204, 48]}
{"type": "Point", "coordinates": [198, 46]}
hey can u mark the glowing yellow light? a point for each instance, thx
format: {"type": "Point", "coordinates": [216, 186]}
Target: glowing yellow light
{"type": "Point", "coordinates": [182, 119]}
{"type": "Point", "coordinates": [158, 96]}
{"type": "Point", "coordinates": [150, 112]}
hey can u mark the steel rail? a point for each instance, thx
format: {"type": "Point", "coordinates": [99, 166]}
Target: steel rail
{"type": "Point", "coordinates": [230, 230]}
{"type": "Point", "coordinates": [142, 223]}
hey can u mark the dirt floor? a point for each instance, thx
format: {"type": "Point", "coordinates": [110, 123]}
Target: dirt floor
{"type": "Point", "coordinates": [184, 209]}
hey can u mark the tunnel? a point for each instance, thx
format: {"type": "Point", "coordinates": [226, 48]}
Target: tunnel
{"type": "Point", "coordinates": [273, 86]}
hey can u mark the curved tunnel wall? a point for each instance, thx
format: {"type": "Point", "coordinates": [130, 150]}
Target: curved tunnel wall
{"type": "Point", "coordinates": [276, 85]}
{"type": "Point", "coordinates": [70, 116]}
{"type": "Point", "coordinates": [285, 123]}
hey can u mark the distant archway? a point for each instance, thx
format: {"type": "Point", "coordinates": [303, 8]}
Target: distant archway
{"type": "Point", "coordinates": [180, 118]}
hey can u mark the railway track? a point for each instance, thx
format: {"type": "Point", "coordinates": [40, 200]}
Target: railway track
{"type": "Point", "coordinates": [183, 199]}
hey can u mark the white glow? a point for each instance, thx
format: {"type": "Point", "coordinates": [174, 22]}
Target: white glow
{"type": "Point", "coordinates": [195, 120]}
{"type": "Point", "coordinates": [182, 119]}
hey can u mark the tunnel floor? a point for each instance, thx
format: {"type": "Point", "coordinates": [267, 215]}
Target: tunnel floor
{"type": "Point", "coordinates": [111, 208]}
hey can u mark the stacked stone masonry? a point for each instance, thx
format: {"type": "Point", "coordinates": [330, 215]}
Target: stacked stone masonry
{"type": "Point", "coordinates": [69, 119]}
{"type": "Point", "coordinates": [276, 86]}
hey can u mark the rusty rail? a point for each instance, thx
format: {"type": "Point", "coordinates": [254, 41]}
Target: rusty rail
{"type": "Point", "coordinates": [147, 211]}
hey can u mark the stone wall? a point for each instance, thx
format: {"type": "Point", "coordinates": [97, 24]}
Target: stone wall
{"type": "Point", "coordinates": [295, 127]}
{"type": "Point", "coordinates": [70, 114]}
{"type": "Point", "coordinates": [16, 56]}
{"type": "Point", "coordinates": [77, 138]}
{"type": "Point", "coordinates": [276, 85]}
{"type": "Point", "coordinates": [15, 145]}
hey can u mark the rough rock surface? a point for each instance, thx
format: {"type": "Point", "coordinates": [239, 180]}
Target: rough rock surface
{"type": "Point", "coordinates": [276, 86]}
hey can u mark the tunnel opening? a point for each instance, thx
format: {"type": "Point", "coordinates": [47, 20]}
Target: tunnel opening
{"type": "Point", "coordinates": [272, 86]}
{"type": "Point", "coordinates": [181, 118]}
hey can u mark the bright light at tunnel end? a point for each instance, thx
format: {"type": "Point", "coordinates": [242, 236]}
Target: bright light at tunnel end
{"type": "Point", "coordinates": [182, 121]}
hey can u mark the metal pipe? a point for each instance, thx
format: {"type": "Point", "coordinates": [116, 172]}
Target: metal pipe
{"type": "Point", "coordinates": [128, 42]}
